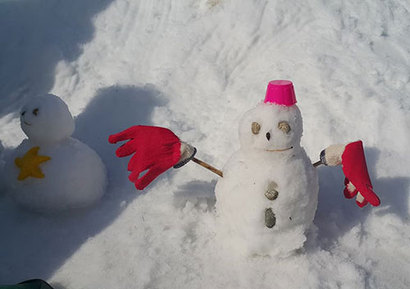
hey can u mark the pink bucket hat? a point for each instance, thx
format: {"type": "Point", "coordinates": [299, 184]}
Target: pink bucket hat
{"type": "Point", "coordinates": [280, 92]}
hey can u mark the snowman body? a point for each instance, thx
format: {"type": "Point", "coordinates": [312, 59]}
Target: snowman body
{"type": "Point", "coordinates": [74, 176]}
{"type": "Point", "coordinates": [268, 195]}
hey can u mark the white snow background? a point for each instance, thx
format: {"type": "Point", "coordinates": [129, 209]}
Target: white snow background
{"type": "Point", "coordinates": [194, 67]}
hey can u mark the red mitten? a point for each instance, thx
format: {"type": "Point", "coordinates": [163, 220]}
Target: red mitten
{"type": "Point", "coordinates": [155, 149]}
{"type": "Point", "coordinates": [357, 181]}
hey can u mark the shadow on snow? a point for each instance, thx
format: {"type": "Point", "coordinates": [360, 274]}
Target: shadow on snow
{"type": "Point", "coordinates": [36, 246]}
{"type": "Point", "coordinates": [34, 36]}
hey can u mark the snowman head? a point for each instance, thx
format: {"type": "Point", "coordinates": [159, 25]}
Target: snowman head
{"type": "Point", "coordinates": [46, 119]}
{"type": "Point", "coordinates": [274, 125]}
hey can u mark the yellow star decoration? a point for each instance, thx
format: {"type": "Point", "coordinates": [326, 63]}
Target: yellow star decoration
{"type": "Point", "coordinates": [29, 164]}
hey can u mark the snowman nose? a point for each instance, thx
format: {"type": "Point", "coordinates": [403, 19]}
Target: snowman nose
{"type": "Point", "coordinates": [268, 135]}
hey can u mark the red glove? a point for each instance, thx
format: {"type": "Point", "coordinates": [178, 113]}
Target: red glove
{"type": "Point", "coordinates": [155, 149]}
{"type": "Point", "coordinates": [357, 181]}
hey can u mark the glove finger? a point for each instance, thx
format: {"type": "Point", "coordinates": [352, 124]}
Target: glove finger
{"type": "Point", "coordinates": [135, 163]}
{"type": "Point", "coordinates": [139, 165]}
{"type": "Point", "coordinates": [151, 175]}
{"type": "Point", "coordinates": [126, 149]}
{"type": "Point", "coordinates": [370, 196]}
{"type": "Point", "coordinates": [346, 181]}
{"type": "Point", "coordinates": [140, 162]}
{"type": "Point", "coordinates": [360, 198]}
{"type": "Point", "coordinates": [361, 205]}
{"type": "Point", "coordinates": [361, 201]}
{"type": "Point", "coordinates": [133, 177]}
{"type": "Point", "coordinates": [350, 190]}
{"type": "Point", "coordinates": [348, 194]}
{"type": "Point", "coordinates": [128, 133]}
{"type": "Point", "coordinates": [138, 168]}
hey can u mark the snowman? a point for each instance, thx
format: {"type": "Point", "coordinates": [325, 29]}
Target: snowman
{"type": "Point", "coordinates": [269, 187]}
{"type": "Point", "coordinates": [51, 171]}
{"type": "Point", "coordinates": [267, 195]}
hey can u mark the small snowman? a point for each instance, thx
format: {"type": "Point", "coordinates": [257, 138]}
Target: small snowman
{"type": "Point", "coordinates": [51, 171]}
{"type": "Point", "coordinates": [269, 187]}
{"type": "Point", "coordinates": [267, 195]}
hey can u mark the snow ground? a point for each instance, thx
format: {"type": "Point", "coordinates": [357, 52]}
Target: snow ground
{"type": "Point", "coordinates": [195, 67]}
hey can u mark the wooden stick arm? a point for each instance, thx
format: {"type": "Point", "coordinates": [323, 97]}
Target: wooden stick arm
{"type": "Point", "coordinates": [318, 163]}
{"type": "Point", "coordinates": [208, 166]}
{"type": "Point", "coordinates": [188, 154]}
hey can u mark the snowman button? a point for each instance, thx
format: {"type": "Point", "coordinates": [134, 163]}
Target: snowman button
{"type": "Point", "coordinates": [270, 219]}
{"type": "Point", "coordinates": [271, 193]}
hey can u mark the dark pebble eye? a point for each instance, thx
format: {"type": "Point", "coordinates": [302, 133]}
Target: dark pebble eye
{"type": "Point", "coordinates": [256, 127]}
{"type": "Point", "coordinates": [35, 111]}
{"type": "Point", "coordinates": [23, 113]}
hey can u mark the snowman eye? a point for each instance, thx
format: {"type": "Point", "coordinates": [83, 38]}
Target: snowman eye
{"type": "Point", "coordinates": [284, 126]}
{"type": "Point", "coordinates": [23, 113]}
{"type": "Point", "coordinates": [256, 127]}
{"type": "Point", "coordinates": [35, 111]}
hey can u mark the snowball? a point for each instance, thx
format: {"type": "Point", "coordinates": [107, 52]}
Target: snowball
{"type": "Point", "coordinates": [269, 160]}
{"type": "Point", "coordinates": [46, 119]}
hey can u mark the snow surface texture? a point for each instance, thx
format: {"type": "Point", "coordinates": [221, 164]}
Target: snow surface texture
{"type": "Point", "coordinates": [74, 177]}
{"type": "Point", "coordinates": [196, 67]}
{"type": "Point", "coordinates": [1, 167]}
{"type": "Point", "coordinates": [1, 154]}
{"type": "Point", "coordinates": [270, 160]}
